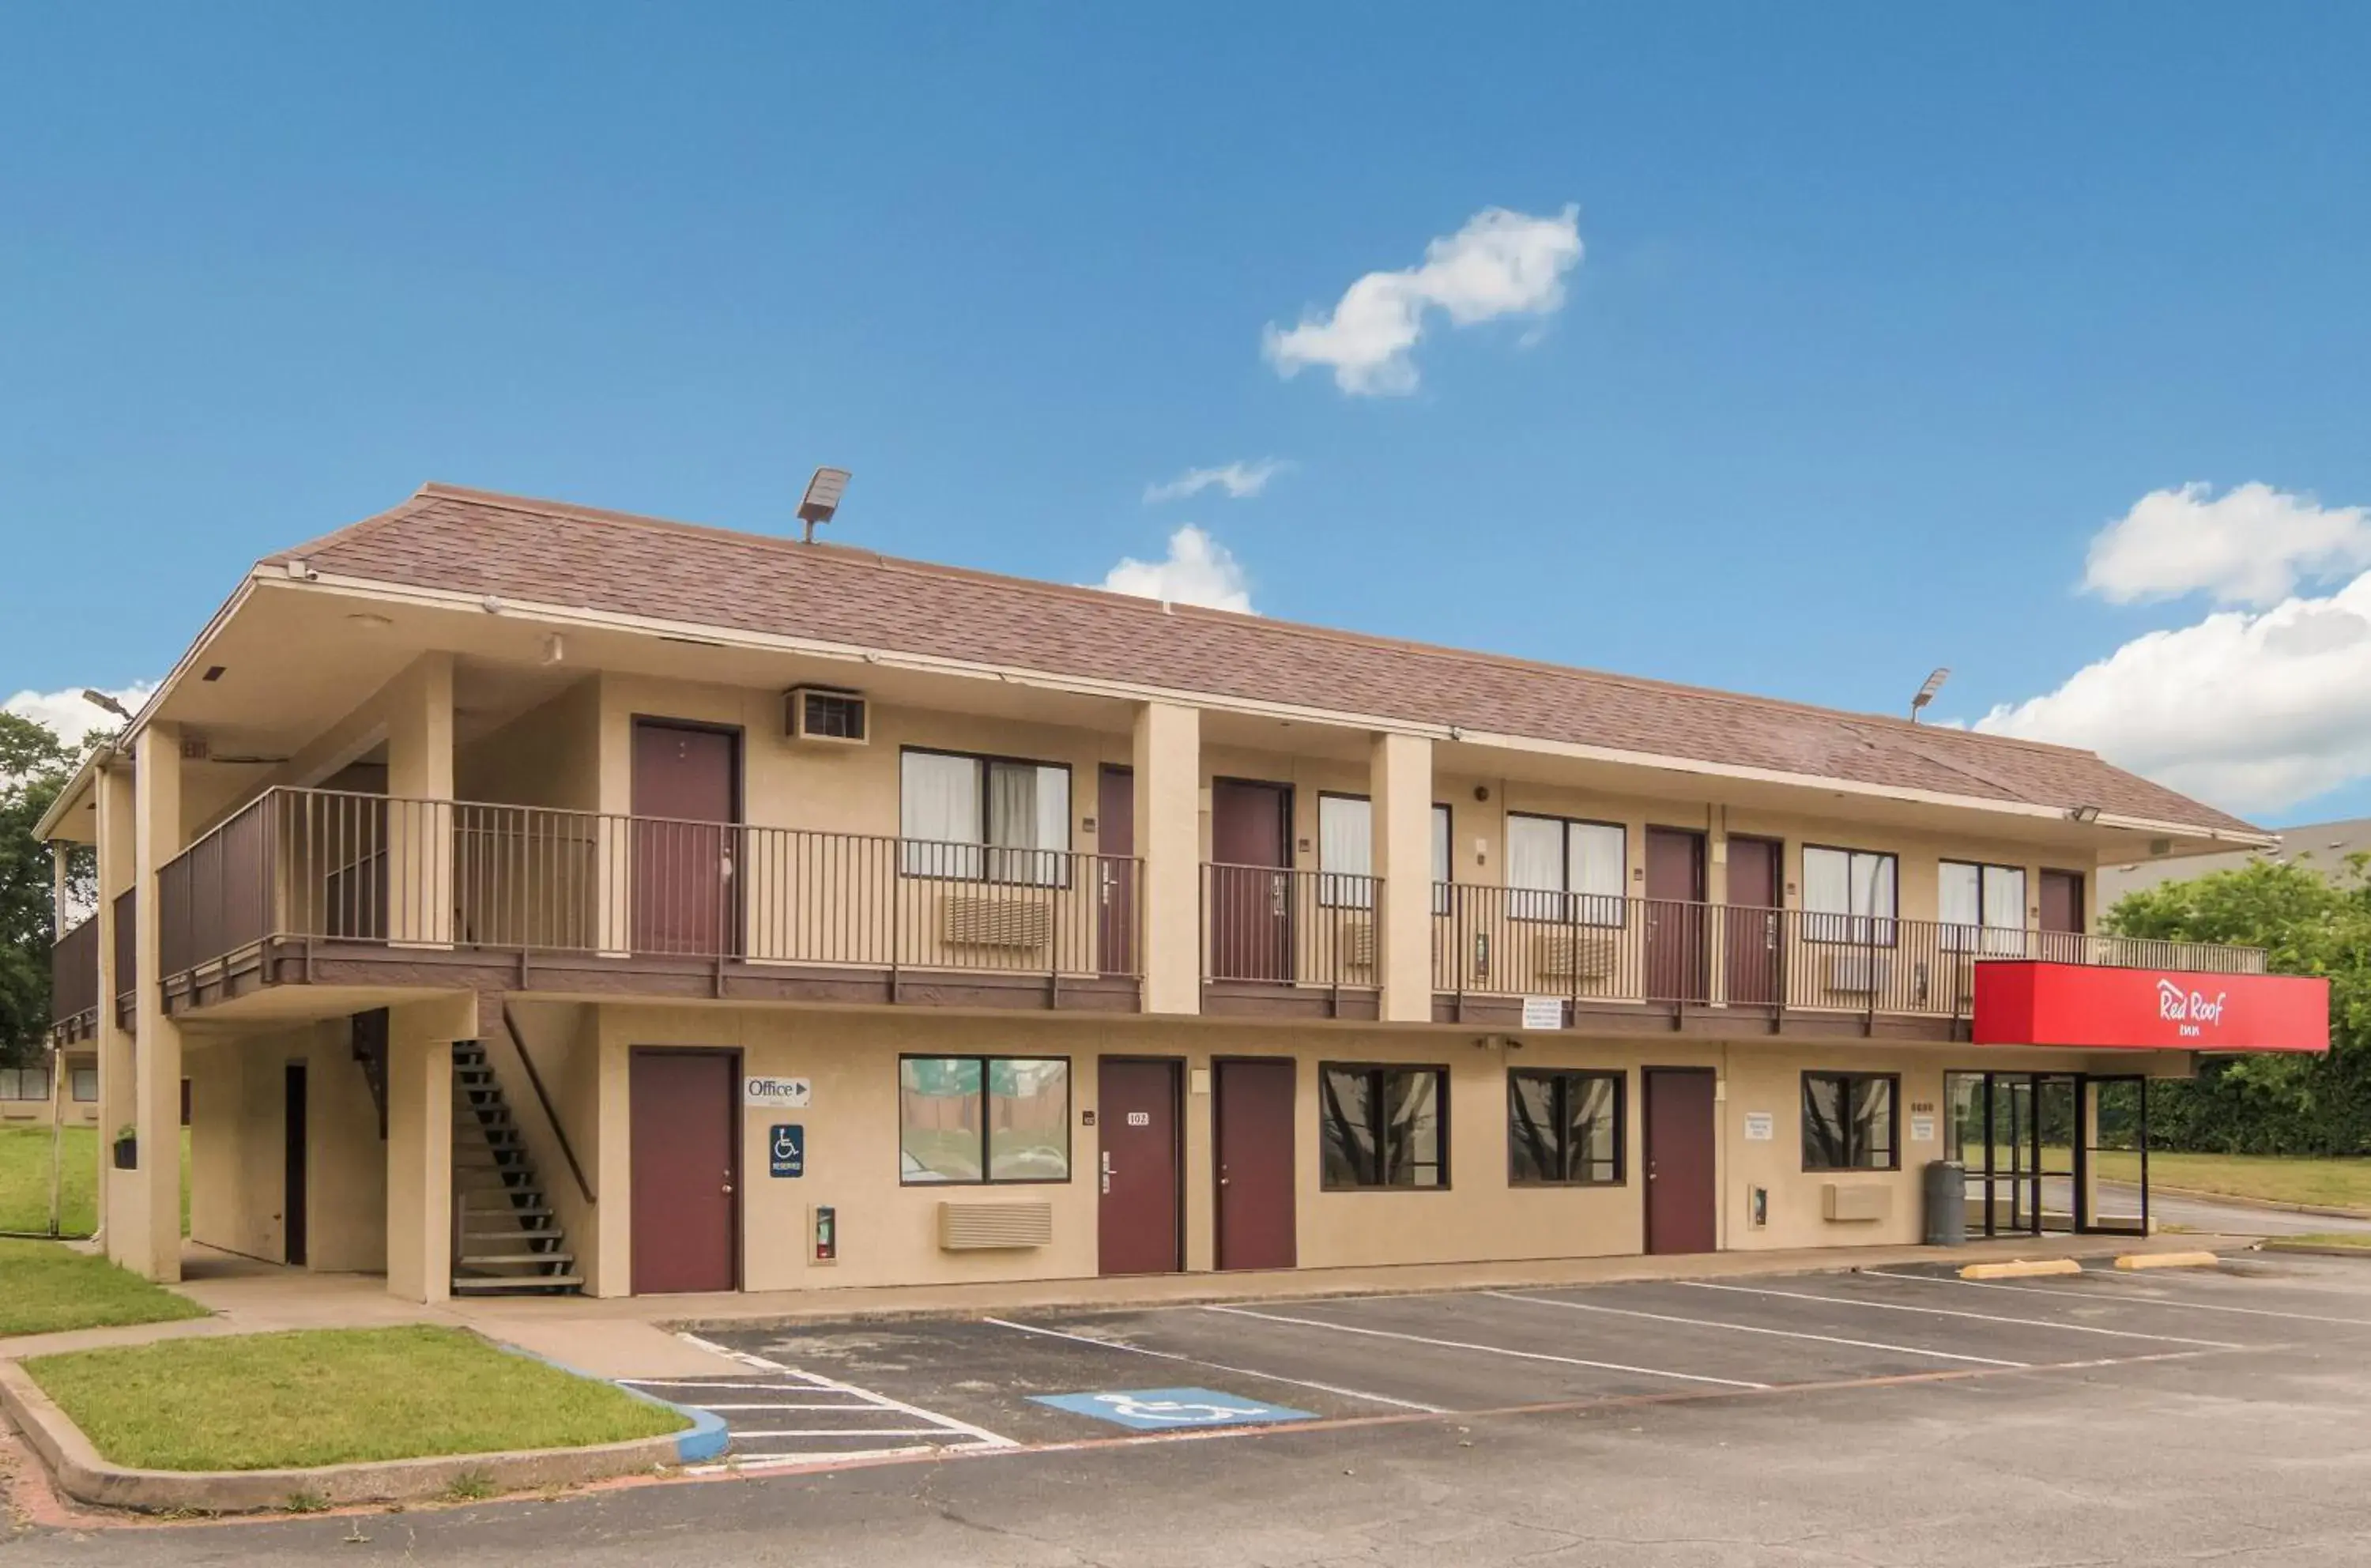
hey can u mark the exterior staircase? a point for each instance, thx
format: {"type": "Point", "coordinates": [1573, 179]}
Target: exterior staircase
{"type": "Point", "coordinates": [506, 1237]}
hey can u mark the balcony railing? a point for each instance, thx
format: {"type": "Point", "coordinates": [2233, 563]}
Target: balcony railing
{"type": "Point", "coordinates": [1272, 925]}
{"type": "Point", "coordinates": [329, 867]}
{"type": "Point", "coordinates": [73, 981]}
{"type": "Point", "coordinates": [1609, 949]}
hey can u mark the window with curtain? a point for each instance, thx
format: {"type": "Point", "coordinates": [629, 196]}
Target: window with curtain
{"type": "Point", "coordinates": [1848, 1122]}
{"type": "Point", "coordinates": [1382, 1127]}
{"type": "Point", "coordinates": [968, 1119]}
{"type": "Point", "coordinates": [86, 1085]}
{"type": "Point", "coordinates": [1564, 1127]}
{"type": "Point", "coordinates": [974, 818]}
{"type": "Point", "coordinates": [1562, 870]}
{"type": "Point", "coordinates": [1848, 897]}
{"type": "Point", "coordinates": [1346, 852]}
{"type": "Point", "coordinates": [1982, 908]}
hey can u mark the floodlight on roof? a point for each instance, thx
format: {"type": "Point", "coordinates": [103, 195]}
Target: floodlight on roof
{"type": "Point", "coordinates": [822, 499]}
{"type": "Point", "coordinates": [1926, 693]}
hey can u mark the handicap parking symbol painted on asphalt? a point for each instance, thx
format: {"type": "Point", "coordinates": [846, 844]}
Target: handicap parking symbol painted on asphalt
{"type": "Point", "coordinates": [1170, 1410]}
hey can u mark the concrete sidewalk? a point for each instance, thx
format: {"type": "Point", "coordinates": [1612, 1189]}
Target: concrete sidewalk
{"type": "Point", "coordinates": [633, 1337]}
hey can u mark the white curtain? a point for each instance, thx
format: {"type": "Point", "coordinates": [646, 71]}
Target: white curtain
{"type": "Point", "coordinates": [1872, 893]}
{"type": "Point", "coordinates": [1028, 821]}
{"type": "Point", "coordinates": [1596, 869]}
{"type": "Point", "coordinates": [938, 812]}
{"type": "Point", "coordinates": [1535, 860]}
{"type": "Point", "coordinates": [2005, 911]}
{"type": "Point", "coordinates": [1346, 849]}
{"type": "Point", "coordinates": [1960, 904]}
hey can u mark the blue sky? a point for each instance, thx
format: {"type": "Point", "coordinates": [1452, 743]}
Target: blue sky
{"type": "Point", "coordinates": [1881, 314]}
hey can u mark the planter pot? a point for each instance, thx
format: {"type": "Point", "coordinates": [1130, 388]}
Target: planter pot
{"type": "Point", "coordinates": [127, 1153]}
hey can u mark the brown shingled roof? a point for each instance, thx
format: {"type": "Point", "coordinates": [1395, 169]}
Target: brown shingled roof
{"type": "Point", "coordinates": [474, 542]}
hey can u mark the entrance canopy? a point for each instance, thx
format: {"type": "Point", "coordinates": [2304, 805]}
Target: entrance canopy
{"type": "Point", "coordinates": [2028, 1002]}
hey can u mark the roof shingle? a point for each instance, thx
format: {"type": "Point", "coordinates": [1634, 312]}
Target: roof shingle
{"type": "Point", "coordinates": [479, 543]}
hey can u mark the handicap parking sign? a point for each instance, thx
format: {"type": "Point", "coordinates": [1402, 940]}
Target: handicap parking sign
{"type": "Point", "coordinates": [786, 1146]}
{"type": "Point", "coordinates": [1170, 1410]}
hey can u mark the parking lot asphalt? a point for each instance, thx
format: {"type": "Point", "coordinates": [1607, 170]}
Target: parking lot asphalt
{"type": "Point", "coordinates": [1361, 1358]}
{"type": "Point", "coordinates": [1892, 1417]}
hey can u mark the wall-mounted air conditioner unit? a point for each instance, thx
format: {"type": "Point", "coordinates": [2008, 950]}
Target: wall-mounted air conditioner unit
{"type": "Point", "coordinates": [827, 714]}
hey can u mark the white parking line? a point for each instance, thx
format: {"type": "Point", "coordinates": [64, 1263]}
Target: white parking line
{"type": "Point", "coordinates": [1489, 1349]}
{"type": "Point", "coordinates": [1951, 1312]}
{"type": "Point", "coordinates": [1218, 1366]}
{"type": "Point", "coordinates": [2122, 1300]}
{"type": "Point", "coordinates": [1753, 1328]}
{"type": "Point", "coordinates": [942, 1423]}
{"type": "Point", "coordinates": [808, 1391]}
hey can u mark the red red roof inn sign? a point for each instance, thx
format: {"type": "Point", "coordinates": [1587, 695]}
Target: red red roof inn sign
{"type": "Point", "coordinates": [2033, 1003]}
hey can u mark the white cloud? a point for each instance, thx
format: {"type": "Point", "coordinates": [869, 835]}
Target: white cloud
{"type": "Point", "coordinates": [2252, 710]}
{"type": "Point", "coordinates": [2253, 545]}
{"type": "Point", "coordinates": [71, 718]}
{"type": "Point", "coordinates": [1240, 480]}
{"type": "Point", "coordinates": [1500, 263]}
{"type": "Point", "coordinates": [1196, 571]}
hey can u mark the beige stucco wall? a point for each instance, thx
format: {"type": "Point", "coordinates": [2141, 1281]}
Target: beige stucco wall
{"type": "Point", "coordinates": [238, 1145]}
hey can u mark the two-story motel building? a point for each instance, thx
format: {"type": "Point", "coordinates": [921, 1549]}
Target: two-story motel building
{"type": "Point", "coordinates": [542, 898]}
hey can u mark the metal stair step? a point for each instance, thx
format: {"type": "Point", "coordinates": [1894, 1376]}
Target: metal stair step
{"type": "Point", "coordinates": [513, 1260]}
{"type": "Point", "coordinates": [517, 1284]}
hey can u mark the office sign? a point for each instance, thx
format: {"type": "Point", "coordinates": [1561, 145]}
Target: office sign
{"type": "Point", "coordinates": [788, 1093]}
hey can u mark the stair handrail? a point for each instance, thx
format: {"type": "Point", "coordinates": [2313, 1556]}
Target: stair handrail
{"type": "Point", "coordinates": [519, 1043]}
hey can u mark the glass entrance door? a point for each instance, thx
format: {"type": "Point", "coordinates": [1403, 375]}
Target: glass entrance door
{"type": "Point", "coordinates": [2048, 1152]}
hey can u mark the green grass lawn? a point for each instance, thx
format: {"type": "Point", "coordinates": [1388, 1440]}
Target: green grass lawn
{"type": "Point", "coordinates": [47, 1288]}
{"type": "Point", "coordinates": [2351, 1240]}
{"type": "Point", "coordinates": [25, 1180]}
{"type": "Point", "coordinates": [332, 1396]}
{"type": "Point", "coordinates": [2323, 1183]}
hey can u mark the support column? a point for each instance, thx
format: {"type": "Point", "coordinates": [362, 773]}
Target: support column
{"type": "Point", "coordinates": [612, 1272]}
{"type": "Point", "coordinates": [1400, 780]}
{"type": "Point", "coordinates": [117, 874]}
{"type": "Point", "coordinates": [420, 1145]}
{"type": "Point", "coordinates": [420, 812]}
{"type": "Point", "coordinates": [1169, 841]}
{"type": "Point", "coordinates": [144, 1233]}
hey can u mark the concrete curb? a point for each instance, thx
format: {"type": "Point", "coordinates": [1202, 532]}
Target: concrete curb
{"type": "Point", "coordinates": [2282, 1244]}
{"type": "Point", "coordinates": [2021, 1268]}
{"type": "Point", "coordinates": [2271, 1205]}
{"type": "Point", "coordinates": [83, 1474]}
{"type": "Point", "coordinates": [2130, 1260]}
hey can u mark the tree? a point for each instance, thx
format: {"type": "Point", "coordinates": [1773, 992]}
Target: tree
{"type": "Point", "coordinates": [34, 764]}
{"type": "Point", "coordinates": [2308, 924]}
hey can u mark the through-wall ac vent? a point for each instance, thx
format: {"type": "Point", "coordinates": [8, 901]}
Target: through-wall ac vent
{"type": "Point", "coordinates": [828, 714]}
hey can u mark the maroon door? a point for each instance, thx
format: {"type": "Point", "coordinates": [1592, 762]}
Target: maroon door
{"type": "Point", "coordinates": [1752, 914]}
{"type": "Point", "coordinates": [1115, 872]}
{"type": "Point", "coordinates": [1254, 1117]}
{"type": "Point", "coordinates": [685, 1109]}
{"type": "Point", "coordinates": [1250, 904]}
{"type": "Point", "coordinates": [1676, 948]}
{"type": "Point", "coordinates": [1136, 1106]}
{"type": "Point", "coordinates": [2061, 917]}
{"type": "Point", "coordinates": [687, 798]}
{"type": "Point", "coordinates": [1682, 1188]}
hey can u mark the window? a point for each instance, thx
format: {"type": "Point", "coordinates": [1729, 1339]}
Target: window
{"type": "Point", "coordinates": [1982, 908]}
{"type": "Point", "coordinates": [1567, 871]}
{"type": "Point", "coordinates": [1848, 897]}
{"type": "Point", "coordinates": [25, 1083]}
{"type": "Point", "coordinates": [1848, 1122]}
{"type": "Point", "coordinates": [980, 818]}
{"type": "Point", "coordinates": [1345, 849]}
{"type": "Point", "coordinates": [1383, 1126]}
{"type": "Point", "coordinates": [1564, 1128]}
{"type": "Point", "coordinates": [963, 1119]}
{"type": "Point", "coordinates": [85, 1084]}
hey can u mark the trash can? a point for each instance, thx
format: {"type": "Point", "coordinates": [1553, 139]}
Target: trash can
{"type": "Point", "coordinates": [1946, 1203]}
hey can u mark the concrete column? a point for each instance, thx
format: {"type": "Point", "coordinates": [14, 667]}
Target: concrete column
{"type": "Point", "coordinates": [614, 800]}
{"type": "Point", "coordinates": [1168, 755]}
{"type": "Point", "coordinates": [145, 1231]}
{"type": "Point", "coordinates": [612, 1272]}
{"type": "Point", "coordinates": [1400, 781]}
{"type": "Point", "coordinates": [420, 1146]}
{"type": "Point", "coordinates": [420, 813]}
{"type": "Point", "coordinates": [117, 874]}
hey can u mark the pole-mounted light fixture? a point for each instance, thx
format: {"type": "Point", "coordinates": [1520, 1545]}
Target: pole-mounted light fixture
{"type": "Point", "coordinates": [101, 700]}
{"type": "Point", "coordinates": [1926, 693]}
{"type": "Point", "coordinates": [822, 499]}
